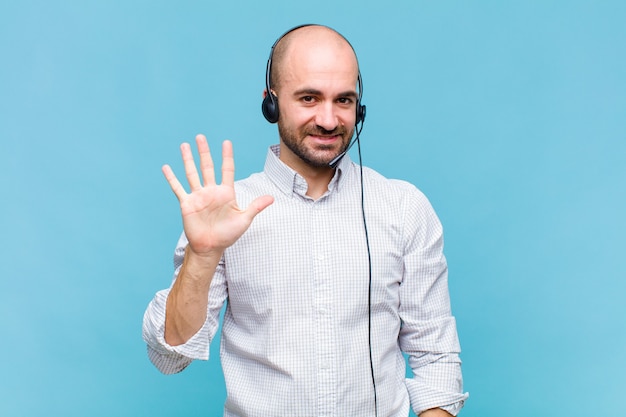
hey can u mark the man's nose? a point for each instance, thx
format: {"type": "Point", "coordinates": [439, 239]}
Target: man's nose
{"type": "Point", "coordinates": [326, 116]}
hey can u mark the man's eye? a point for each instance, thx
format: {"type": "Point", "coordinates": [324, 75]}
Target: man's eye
{"type": "Point", "coordinates": [344, 100]}
{"type": "Point", "coordinates": [307, 99]}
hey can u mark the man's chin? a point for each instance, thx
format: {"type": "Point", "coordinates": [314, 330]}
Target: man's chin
{"type": "Point", "coordinates": [317, 155]}
{"type": "Point", "coordinates": [326, 162]}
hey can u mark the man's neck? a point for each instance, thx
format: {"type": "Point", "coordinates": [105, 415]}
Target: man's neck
{"type": "Point", "coordinates": [317, 178]}
{"type": "Point", "coordinates": [317, 182]}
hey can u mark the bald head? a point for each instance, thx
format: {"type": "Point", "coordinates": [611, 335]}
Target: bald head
{"type": "Point", "coordinates": [308, 42]}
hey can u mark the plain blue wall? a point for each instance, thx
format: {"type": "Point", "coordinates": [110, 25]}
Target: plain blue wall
{"type": "Point", "coordinates": [510, 116]}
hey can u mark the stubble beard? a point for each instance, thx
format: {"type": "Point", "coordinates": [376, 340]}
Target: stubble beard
{"type": "Point", "coordinates": [318, 157]}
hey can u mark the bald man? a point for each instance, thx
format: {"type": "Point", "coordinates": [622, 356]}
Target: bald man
{"type": "Point", "coordinates": [330, 272]}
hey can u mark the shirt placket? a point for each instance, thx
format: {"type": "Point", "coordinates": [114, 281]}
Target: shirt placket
{"type": "Point", "coordinates": [324, 314]}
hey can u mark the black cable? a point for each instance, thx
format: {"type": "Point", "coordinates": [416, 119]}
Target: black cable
{"type": "Point", "coordinates": [369, 261]}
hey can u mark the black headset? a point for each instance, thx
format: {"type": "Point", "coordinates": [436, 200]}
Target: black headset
{"type": "Point", "coordinates": [269, 107]}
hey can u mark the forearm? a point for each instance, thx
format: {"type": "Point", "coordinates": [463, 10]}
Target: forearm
{"type": "Point", "coordinates": [187, 302]}
{"type": "Point", "coordinates": [435, 412]}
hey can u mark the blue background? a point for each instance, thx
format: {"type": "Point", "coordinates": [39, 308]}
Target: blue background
{"type": "Point", "coordinates": [510, 116]}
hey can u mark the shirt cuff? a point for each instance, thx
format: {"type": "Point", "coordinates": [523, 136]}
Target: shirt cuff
{"type": "Point", "coordinates": [197, 347]}
{"type": "Point", "coordinates": [425, 397]}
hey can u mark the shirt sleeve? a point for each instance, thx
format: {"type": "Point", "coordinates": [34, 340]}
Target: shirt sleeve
{"type": "Point", "coordinates": [172, 359]}
{"type": "Point", "coordinates": [428, 334]}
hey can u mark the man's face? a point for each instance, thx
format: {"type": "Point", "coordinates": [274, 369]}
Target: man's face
{"type": "Point", "coordinates": [317, 100]}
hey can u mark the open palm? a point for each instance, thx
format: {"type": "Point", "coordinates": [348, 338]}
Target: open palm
{"type": "Point", "coordinates": [212, 220]}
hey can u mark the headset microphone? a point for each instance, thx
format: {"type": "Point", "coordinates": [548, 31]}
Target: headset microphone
{"type": "Point", "coordinates": [335, 161]}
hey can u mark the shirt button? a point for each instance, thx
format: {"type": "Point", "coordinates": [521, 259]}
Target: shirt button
{"type": "Point", "coordinates": [325, 365]}
{"type": "Point", "coordinates": [323, 311]}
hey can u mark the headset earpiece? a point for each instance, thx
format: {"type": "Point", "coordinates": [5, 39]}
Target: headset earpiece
{"type": "Point", "coordinates": [360, 113]}
{"type": "Point", "coordinates": [270, 107]}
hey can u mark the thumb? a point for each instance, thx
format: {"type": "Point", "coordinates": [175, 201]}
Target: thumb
{"type": "Point", "coordinates": [258, 205]}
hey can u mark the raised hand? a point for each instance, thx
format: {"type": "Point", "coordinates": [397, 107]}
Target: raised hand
{"type": "Point", "coordinates": [212, 219]}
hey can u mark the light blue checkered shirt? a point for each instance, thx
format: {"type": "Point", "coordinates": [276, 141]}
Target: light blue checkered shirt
{"type": "Point", "coordinates": [295, 332]}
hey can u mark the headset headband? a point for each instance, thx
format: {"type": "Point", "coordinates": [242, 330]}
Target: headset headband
{"type": "Point", "coordinates": [269, 106]}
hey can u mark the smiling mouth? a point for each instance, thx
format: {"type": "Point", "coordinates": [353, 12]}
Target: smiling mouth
{"type": "Point", "coordinates": [325, 136]}
{"type": "Point", "coordinates": [325, 140]}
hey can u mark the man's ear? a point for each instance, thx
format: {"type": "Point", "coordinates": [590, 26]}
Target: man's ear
{"type": "Point", "coordinates": [265, 93]}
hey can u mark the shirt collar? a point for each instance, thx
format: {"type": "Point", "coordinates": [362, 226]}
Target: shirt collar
{"type": "Point", "coordinates": [289, 181]}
